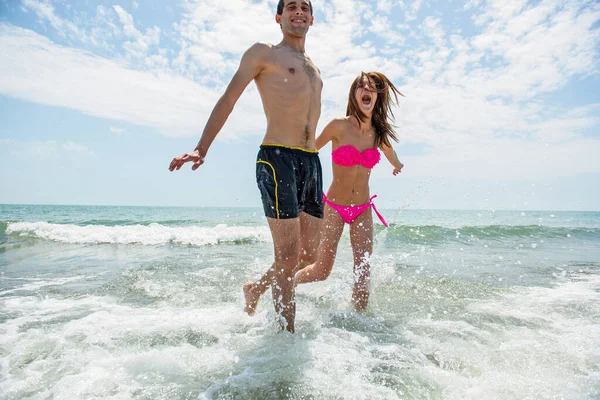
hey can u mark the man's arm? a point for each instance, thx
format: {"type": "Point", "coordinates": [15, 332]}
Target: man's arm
{"type": "Point", "coordinates": [392, 157]}
{"type": "Point", "coordinates": [252, 63]}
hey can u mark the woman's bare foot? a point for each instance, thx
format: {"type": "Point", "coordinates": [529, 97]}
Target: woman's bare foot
{"type": "Point", "coordinates": [251, 294]}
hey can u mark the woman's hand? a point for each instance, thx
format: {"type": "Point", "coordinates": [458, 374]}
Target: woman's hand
{"type": "Point", "coordinates": [398, 169]}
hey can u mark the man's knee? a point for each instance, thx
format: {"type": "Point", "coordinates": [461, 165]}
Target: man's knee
{"type": "Point", "coordinates": [286, 240]}
{"type": "Point", "coordinates": [286, 260]}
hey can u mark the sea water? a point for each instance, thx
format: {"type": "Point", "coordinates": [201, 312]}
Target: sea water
{"type": "Point", "coordinates": [147, 303]}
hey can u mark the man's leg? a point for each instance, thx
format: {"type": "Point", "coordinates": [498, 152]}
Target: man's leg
{"type": "Point", "coordinates": [310, 237]}
{"type": "Point", "coordinates": [310, 234]}
{"type": "Point", "coordinates": [253, 290]}
{"type": "Point", "coordinates": [286, 243]}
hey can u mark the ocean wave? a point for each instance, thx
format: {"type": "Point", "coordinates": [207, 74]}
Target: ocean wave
{"type": "Point", "coordinates": [129, 222]}
{"type": "Point", "coordinates": [195, 235]}
{"type": "Point", "coordinates": [434, 233]}
{"type": "Point", "coordinates": [153, 234]}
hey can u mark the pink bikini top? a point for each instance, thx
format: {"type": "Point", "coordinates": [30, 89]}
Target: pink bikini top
{"type": "Point", "coordinates": [348, 156]}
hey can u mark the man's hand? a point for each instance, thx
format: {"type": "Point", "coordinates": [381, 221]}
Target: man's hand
{"type": "Point", "coordinates": [398, 170]}
{"type": "Point", "coordinates": [194, 157]}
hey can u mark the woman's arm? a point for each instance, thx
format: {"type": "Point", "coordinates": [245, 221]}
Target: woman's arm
{"type": "Point", "coordinates": [330, 133]}
{"type": "Point", "coordinates": [392, 157]}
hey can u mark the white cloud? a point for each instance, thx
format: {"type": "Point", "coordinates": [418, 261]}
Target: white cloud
{"type": "Point", "coordinates": [380, 25]}
{"type": "Point", "coordinates": [385, 5]}
{"type": "Point", "coordinates": [127, 21]}
{"type": "Point", "coordinates": [474, 100]}
{"type": "Point", "coordinates": [505, 159]}
{"type": "Point", "coordinates": [40, 149]}
{"type": "Point", "coordinates": [141, 43]}
{"type": "Point", "coordinates": [117, 130]}
{"type": "Point", "coordinates": [70, 146]}
{"type": "Point", "coordinates": [38, 70]}
{"type": "Point", "coordinates": [214, 33]}
{"type": "Point", "coordinates": [411, 11]}
{"type": "Point", "coordinates": [108, 24]}
{"type": "Point", "coordinates": [544, 47]}
{"type": "Point", "coordinates": [45, 12]}
{"type": "Point", "coordinates": [44, 149]}
{"type": "Point", "coordinates": [104, 28]}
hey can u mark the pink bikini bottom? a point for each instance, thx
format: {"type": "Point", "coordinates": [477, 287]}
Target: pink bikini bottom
{"type": "Point", "coordinates": [350, 213]}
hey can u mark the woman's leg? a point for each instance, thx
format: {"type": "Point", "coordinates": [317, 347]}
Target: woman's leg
{"type": "Point", "coordinates": [310, 234]}
{"type": "Point", "coordinates": [331, 231]}
{"type": "Point", "coordinates": [361, 238]}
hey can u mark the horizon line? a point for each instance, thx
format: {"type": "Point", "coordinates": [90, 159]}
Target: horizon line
{"type": "Point", "coordinates": [259, 207]}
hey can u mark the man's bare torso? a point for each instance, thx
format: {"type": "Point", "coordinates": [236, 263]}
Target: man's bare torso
{"type": "Point", "coordinates": [290, 88]}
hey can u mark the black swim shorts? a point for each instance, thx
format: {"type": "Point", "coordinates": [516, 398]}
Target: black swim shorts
{"type": "Point", "coordinates": [290, 181]}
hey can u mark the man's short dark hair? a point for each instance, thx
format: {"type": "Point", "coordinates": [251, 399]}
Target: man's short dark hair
{"type": "Point", "coordinates": [281, 4]}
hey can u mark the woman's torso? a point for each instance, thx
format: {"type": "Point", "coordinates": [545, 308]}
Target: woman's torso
{"type": "Point", "coordinates": [350, 184]}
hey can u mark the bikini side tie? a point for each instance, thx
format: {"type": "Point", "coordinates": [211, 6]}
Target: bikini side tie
{"type": "Point", "coordinates": [377, 212]}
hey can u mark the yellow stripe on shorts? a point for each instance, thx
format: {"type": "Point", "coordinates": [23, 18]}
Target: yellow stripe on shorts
{"type": "Point", "coordinates": [276, 185]}
{"type": "Point", "coordinates": [290, 147]}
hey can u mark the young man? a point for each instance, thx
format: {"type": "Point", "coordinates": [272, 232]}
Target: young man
{"type": "Point", "coordinates": [288, 171]}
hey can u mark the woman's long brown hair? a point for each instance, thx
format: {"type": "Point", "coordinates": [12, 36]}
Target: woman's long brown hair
{"type": "Point", "coordinates": [382, 112]}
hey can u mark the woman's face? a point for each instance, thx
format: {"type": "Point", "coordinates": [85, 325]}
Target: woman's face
{"type": "Point", "coordinates": [366, 95]}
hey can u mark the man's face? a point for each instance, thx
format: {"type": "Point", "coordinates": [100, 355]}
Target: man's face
{"type": "Point", "coordinates": [295, 18]}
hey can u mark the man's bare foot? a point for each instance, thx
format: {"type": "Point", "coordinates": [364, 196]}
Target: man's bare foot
{"type": "Point", "coordinates": [251, 294]}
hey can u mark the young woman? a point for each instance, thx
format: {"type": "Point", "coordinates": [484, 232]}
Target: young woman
{"type": "Point", "coordinates": [356, 143]}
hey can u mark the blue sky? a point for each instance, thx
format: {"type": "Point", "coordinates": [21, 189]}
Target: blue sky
{"type": "Point", "coordinates": [502, 107]}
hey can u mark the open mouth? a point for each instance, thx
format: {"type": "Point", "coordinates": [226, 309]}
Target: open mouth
{"type": "Point", "coordinates": [298, 21]}
{"type": "Point", "coordinates": [366, 100]}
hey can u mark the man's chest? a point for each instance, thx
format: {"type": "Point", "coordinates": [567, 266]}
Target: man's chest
{"type": "Point", "coordinates": [296, 70]}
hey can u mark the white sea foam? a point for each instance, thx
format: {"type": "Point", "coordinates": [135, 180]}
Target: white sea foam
{"type": "Point", "coordinates": [36, 284]}
{"type": "Point", "coordinates": [153, 234]}
{"type": "Point", "coordinates": [532, 343]}
{"type": "Point", "coordinates": [529, 343]}
{"type": "Point", "coordinates": [95, 347]}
